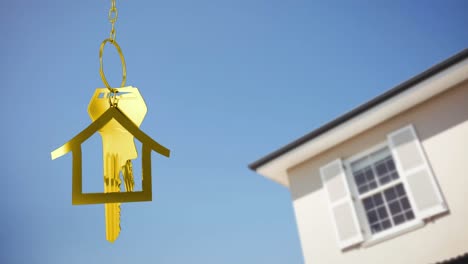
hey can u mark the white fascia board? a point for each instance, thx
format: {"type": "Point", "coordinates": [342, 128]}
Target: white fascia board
{"type": "Point", "coordinates": [276, 169]}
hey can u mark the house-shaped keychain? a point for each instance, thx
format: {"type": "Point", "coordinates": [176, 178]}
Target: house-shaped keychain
{"type": "Point", "coordinates": [74, 145]}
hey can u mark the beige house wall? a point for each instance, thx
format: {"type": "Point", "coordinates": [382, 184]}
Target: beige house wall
{"type": "Point", "coordinates": [442, 126]}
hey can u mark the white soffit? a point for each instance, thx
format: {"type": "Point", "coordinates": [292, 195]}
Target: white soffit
{"type": "Point", "coordinates": [276, 169]}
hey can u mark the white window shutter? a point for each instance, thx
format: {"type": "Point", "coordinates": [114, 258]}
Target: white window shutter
{"type": "Point", "coordinates": [414, 168]}
{"type": "Point", "coordinates": [348, 230]}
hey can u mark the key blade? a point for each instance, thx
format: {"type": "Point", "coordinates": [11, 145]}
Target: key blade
{"type": "Point", "coordinates": [112, 211]}
{"type": "Point", "coordinates": [112, 184]}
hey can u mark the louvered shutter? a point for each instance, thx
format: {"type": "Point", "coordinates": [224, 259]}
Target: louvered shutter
{"type": "Point", "coordinates": [416, 172]}
{"type": "Point", "coordinates": [348, 230]}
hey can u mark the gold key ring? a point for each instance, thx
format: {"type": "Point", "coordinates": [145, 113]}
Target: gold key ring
{"type": "Point", "coordinates": [101, 68]}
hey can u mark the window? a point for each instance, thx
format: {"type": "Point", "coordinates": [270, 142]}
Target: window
{"type": "Point", "coordinates": [381, 192]}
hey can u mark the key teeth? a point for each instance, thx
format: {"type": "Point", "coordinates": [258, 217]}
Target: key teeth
{"type": "Point", "coordinates": [127, 171]}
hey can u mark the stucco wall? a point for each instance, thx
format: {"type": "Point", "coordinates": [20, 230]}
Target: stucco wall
{"type": "Point", "coordinates": [442, 127]}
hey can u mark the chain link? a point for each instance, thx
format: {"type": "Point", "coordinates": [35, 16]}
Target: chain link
{"type": "Point", "coordinates": [113, 14]}
{"type": "Point", "coordinates": [113, 100]}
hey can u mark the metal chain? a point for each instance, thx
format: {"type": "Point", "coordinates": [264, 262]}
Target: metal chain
{"type": "Point", "coordinates": [112, 19]}
{"type": "Point", "coordinates": [113, 100]}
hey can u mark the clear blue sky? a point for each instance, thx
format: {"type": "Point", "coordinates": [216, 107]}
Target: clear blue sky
{"type": "Point", "coordinates": [226, 82]}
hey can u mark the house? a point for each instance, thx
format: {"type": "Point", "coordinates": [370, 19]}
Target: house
{"type": "Point", "coordinates": [388, 181]}
{"type": "Point", "coordinates": [74, 145]}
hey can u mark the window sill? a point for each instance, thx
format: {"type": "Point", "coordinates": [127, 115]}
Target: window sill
{"type": "Point", "coordinates": [389, 234]}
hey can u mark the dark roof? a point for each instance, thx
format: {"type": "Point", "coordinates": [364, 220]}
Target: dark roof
{"type": "Point", "coordinates": [456, 260]}
{"type": "Point", "coordinates": [362, 108]}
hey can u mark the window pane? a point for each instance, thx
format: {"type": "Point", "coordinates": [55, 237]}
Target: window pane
{"type": "Point", "coordinates": [395, 207]}
{"type": "Point", "coordinates": [398, 219]}
{"type": "Point", "coordinates": [380, 154]}
{"type": "Point", "coordinates": [390, 194]}
{"type": "Point", "coordinates": [405, 203]}
{"type": "Point", "coordinates": [369, 174]}
{"type": "Point", "coordinates": [381, 168]}
{"type": "Point", "coordinates": [386, 224]}
{"type": "Point", "coordinates": [400, 190]}
{"type": "Point", "coordinates": [409, 215]}
{"type": "Point", "coordinates": [378, 199]}
{"type": "Point", "coordinates": [391, 165]}
{"type": "Point", "coordinates": [375, 228]}
{"type": "Point", "coordinates": [368, 204]}
{"type": "Point", "coordinates": [359, 177]}
{"type": "Point", "coordinates": [382, 212]}
{"type": "Point", "coordinates": [385, 179]}
{"type": "Point", "coordinates": [363, 189]}
{"type": "Point", "coordinates": [360, 164]}
{"type": "Point", "coordinates": [372, 216]}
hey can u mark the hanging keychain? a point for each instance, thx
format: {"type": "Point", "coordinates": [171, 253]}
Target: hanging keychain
{"type": "Point", "coordinates": [117, 114]}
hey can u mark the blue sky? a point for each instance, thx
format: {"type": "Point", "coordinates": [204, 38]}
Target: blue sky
{"type": "Point", "coordinates": [226, 82]}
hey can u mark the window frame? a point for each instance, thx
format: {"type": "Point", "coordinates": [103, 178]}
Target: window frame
{"type": "Point", "coordinates": [369, 238]}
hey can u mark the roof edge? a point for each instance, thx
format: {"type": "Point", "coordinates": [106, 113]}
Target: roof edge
{"type": "Point", "coordinates": [362, 108]}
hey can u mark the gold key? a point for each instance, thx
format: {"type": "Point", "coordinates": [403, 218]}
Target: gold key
{"type": "Point", "coordinates": [118, 146]}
